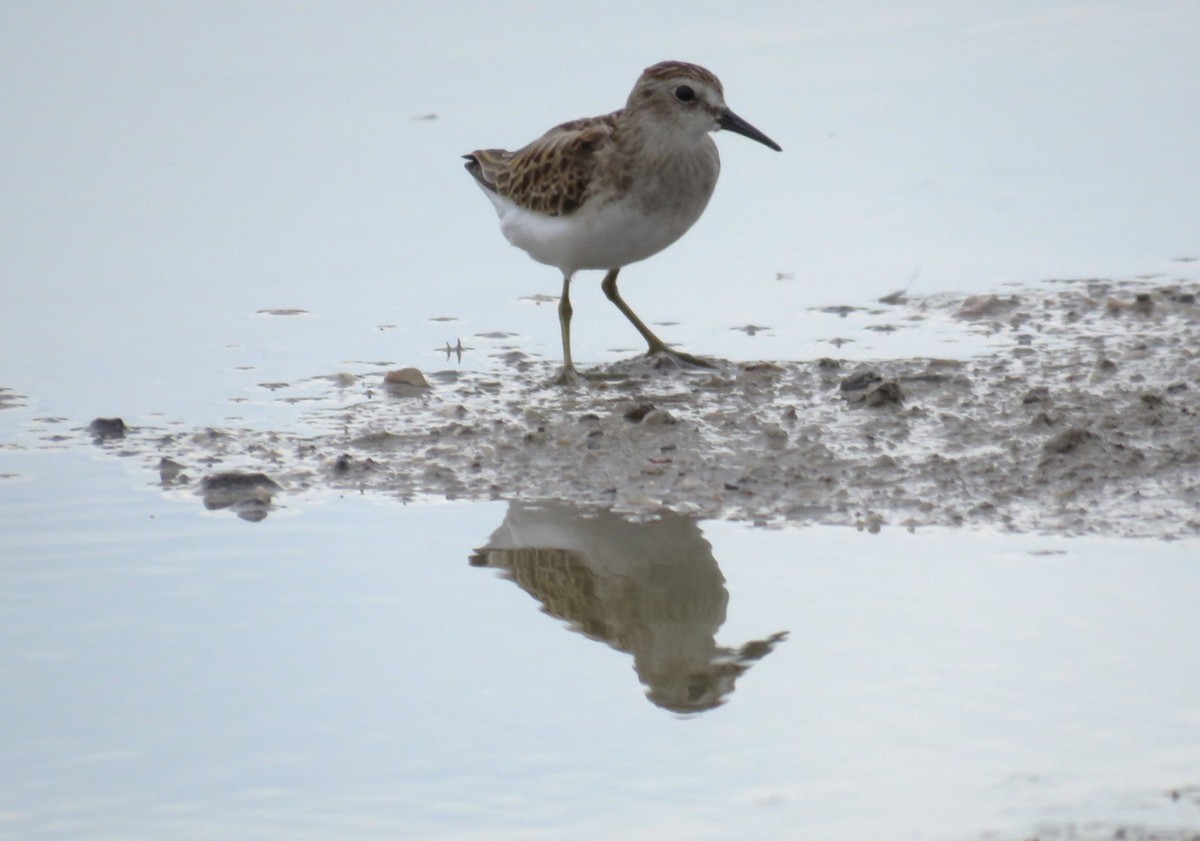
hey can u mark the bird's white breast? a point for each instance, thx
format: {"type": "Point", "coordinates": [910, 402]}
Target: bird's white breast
{"type": "Point", "coordinates": [605, 233]}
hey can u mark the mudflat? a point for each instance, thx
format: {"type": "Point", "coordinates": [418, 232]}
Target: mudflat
{"type": "Point", "coordinates": [1082, 418]}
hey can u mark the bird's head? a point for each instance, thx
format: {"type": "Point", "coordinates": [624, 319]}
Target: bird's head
{"type": "Point", "coordinates": [689, 100]}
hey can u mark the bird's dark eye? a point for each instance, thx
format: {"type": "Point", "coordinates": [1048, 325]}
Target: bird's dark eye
{"type": "Point", "coordinates": [684, 93]}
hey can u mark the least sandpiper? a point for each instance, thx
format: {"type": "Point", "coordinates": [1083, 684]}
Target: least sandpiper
{"type": "Point", "coordinates": [604, 192]}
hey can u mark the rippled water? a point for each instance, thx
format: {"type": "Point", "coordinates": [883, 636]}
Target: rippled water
{"type": "Point", "coordinates": [203, 202]}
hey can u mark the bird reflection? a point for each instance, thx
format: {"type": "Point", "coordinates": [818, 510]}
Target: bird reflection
{"type": "Point", "coordinates": [650, 589]}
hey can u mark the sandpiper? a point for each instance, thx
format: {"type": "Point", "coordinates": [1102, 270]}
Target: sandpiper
{"type": "Point", "coordinates": [604, 192]}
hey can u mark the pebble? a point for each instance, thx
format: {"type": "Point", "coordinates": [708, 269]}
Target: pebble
{"type": "Point", "coordinates": [107, 429]}
{"type": "Point", "coordinates": [411, 377]}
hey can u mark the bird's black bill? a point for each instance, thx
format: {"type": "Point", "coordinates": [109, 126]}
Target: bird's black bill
{"type": "Point", "coordinates": [732, 122]}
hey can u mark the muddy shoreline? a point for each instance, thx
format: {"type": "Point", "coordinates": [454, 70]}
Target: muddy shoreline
{"type": "Point", "coordinates": [1084, 418]}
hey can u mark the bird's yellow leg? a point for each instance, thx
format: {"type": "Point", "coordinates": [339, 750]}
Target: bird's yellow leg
{"type": "Point", "coordinates": [568, 375]}
{"type": "Point", "coordinates": [656, 345]}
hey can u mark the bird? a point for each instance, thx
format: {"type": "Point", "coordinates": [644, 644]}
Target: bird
{"type": "Point", "coordinates": [604, 192]}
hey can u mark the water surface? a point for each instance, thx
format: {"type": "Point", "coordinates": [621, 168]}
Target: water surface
{"type": "Point", "coordinates": [352, 667]}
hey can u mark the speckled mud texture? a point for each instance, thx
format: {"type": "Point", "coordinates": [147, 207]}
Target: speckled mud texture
{"type": "Point", "coordinates": [1083, 418]}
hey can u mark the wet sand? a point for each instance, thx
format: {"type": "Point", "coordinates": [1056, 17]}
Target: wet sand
{"type": "Point", "coordinates": [1084, 418]}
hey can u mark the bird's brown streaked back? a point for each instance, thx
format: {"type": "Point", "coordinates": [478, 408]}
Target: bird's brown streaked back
{"type": "Point", "coordinates": [550, 175]}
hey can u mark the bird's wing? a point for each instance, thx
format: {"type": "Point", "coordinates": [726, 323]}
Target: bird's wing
{"type": "Point", "coordinates": [551, 175]}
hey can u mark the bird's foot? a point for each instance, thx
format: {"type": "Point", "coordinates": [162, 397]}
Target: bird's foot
{"type": "Point", "coordinates": [569, 378]}
{"type": "Point", "coordinates": [665, 357]}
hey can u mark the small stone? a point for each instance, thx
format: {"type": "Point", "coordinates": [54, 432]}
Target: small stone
{"type": "Point", "coordinates": [169, 472]}
{"type": "Point", "coordinates": [775, 432]}
{"type": "Point", "coordinates": [1068, 441]}
{"type": "Point", "coordinates": [885, 394]}
{"type": "Point", "coordinates": [658, 417]}
{"type": "Point", "coordinates": [406, 377]}
{"type": "Point", "coordinates": [1040, 394]}
{"type": "Point", "coordinates": [860, 380]}
{"type": "Point", "coordinates": [637, 413]}
{"type": "Point", "coordinates": [981, 306]}
{"type": "Point", "coordinates": [234, 480]}
{"type": "Point", "coordinates": [455, 411]}
{"type": "Point", "coordinates": [107, 429]}
{"type": "Point", "coordinates": [247, 494]}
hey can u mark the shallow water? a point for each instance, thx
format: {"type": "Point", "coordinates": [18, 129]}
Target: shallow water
{"type": "Point", "coordinates": [210, 210]}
